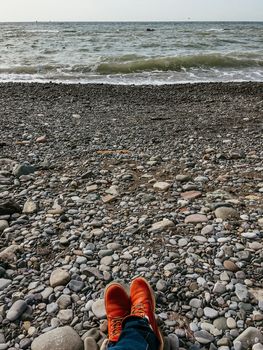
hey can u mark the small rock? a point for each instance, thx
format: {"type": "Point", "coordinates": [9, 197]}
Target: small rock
{"type": "Point", "coordinates": [191, 195]}
{"type": "Point", "coordinates": [210, 313]}
{"type": "Point", "coordinates": [207, 230]}
{"type": "Point", "coordinates": [161, 285]}
{"type": "Point", "coordinates": [3, 225]}
{"type": "Point", "coordinates": [142, 261]}
{"type": "Point", "coordinates": [59, 277]}
{"type": "Point", "coordinates": [231, 323]}
{"type": "Point", "coordinates": [98, 308]}
{"type": "Point", "coordinates": [195, 219]}
{"type": "Point", "coordinates": [220, 323]}
{"type": "Point", "coordinates": [203, 337]}
{"type": "Point", "coordinates": [64, 301]}
{"type": "Point", "coordinates": [76, 285]}
{"type": "Point", "coordinates": [250, 235]}
{"type": "Point", "coordinates": [30, 207]}
{"type": "Point", "coordinates": [219, 288]}
{"type": "Point", "coordinates": [163, 186]}
{"type": "Point", "coordinates": [230, 265]}
{"type": "Point", "coordinates": [196, 303]}
{"type": "Point", "coordinates": [162, 225]}
{"type": "Point", "coordinates": [241, 292]}
{"type": "Point", "coordinates": [90, 344]}
{"type": "Point", "coordinates": [108, 198]}
{"type": "Point", "coordinates": [4, 283]}
{"type": "Point", "coordinates": [23, 169]}
{"type": "Point", "coordinates": [226, 213]}
{"type": "Point", "coordinates": [16, 310]}
{"type": "Point", "coordinates": [170, 267]}
{"type": "Point", "coordinates": [182, 178]}
{"type": "Point", "coordinates": [41, 139]}
{"type": "Point", "coordinates": [91, 188]}
{"type": "Point", "coordinates": [65, 316]}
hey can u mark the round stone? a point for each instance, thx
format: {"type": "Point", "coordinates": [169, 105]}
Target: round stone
{"type": "Point", "coordinates": [59, 277]}
{"type": "Point", "coordinates": [226, 213]}
{"type": "Point", "coordinates": [98, 308]}
{"type": "Point", "coordinates": [203, 337]}
{"type": "Point", "coordinates": [210, 313]}
{"type": "Point", "coordinates": [63, 338]}
{"type": "Point", "coordinates": [16, 310]}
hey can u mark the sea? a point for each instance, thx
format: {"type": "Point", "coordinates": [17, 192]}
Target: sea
{"type": "Point", "coordinates": [131, 53]}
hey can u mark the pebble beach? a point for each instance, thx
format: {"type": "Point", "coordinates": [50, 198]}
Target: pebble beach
{"type": "Point", "coordinates": [109, 182]}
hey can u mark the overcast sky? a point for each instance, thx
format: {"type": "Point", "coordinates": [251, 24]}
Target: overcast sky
{"type": "Point", "coordinates": [131, 10]}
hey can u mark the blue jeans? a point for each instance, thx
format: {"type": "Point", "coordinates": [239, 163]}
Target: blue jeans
{"type": "Point", "coordinates": [136, 335]}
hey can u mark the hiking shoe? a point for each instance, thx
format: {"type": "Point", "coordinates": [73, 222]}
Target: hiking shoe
{"type": "Point", "coordinates": [117, 305]}
{"type": "Point", "coordinates": [143, 304]}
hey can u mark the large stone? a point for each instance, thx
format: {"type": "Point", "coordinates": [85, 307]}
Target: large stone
{"type": "Point", "coordinates": [64, 338]}
{"type": "Point", "coordinates": [59, 277]}
{"type": "Point", "coordinates": [23, 169]}
{"type": "Point", "coordinates": [249, 337]}
{"type": "Point", "coordinates": [30, 207]}
{"type": "Point", "coordinates": [162, 225]}
{"type": "Point", "coordinates": [98, 308]}
{"type": "Point", "coordinates": [195, 219]}
{"type": "Point", "coordinates": [226, 213]}
{"type": "Point", "coordinates": [16, 310]}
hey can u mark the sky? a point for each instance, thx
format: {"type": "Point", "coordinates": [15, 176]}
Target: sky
{"type": "Point", "coordinates": [131, 10]}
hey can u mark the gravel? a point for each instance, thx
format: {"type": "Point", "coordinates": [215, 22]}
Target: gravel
{"type": "Point", "coordinates": [163, 182]}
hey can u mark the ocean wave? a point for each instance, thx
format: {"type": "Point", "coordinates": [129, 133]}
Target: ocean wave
{"type": "Point", "coordinates": [178, 63]}
{"type": "Point", "coordinates": [133, 64]}
{"type": "Point", "coordinates": [39, 69]}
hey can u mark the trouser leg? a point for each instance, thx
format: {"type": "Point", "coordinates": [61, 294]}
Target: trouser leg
{"type": "Point", "coordinates": [136, 335]}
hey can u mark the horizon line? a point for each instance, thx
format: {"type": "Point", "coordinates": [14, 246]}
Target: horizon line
{"type": "Point", "coordinates": [134, 21]}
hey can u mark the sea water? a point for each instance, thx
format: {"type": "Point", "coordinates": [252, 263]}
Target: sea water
{"type": "Point", "coordinates": [131, 53]}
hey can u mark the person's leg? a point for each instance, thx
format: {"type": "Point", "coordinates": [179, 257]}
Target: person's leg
{"type": "Point", "coordinates": [131, 321]}
{"type": "Point", "coordinates": [136, 335]}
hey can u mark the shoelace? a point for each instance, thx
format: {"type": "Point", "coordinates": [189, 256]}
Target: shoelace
{"type": "Point", "coordinates": [115, 323]}
{"type": "Point", "coordinates": [138, 309]}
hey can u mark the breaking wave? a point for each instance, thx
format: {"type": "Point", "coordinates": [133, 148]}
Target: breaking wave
{"type": "Point", "coordinates": [164, 64]}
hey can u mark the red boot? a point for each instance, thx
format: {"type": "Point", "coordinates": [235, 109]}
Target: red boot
{"type": "Point", "coordinates": [117, 305]}
{"type": "Point", "coordinates": [143, 304]}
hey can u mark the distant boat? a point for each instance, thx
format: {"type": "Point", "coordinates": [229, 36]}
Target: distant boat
{"type": "Point", "coordinates": [150, 30]}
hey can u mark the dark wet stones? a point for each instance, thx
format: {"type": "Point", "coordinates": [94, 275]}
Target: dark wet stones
{"type": "Point", "coordinates": [9, 207]}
